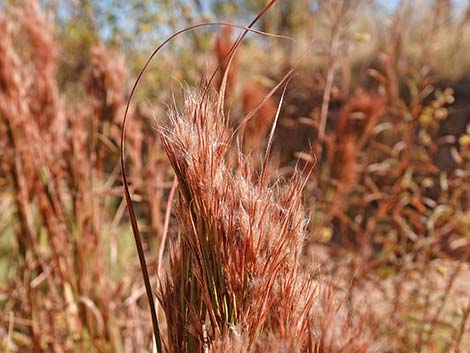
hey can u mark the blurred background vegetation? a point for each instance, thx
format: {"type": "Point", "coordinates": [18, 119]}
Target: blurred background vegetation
{"type": "Point", "coordinates": [134, 28]}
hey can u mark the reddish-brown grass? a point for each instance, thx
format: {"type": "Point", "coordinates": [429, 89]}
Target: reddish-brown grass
{"type": "Point", "coordinates": [258, 126]}
{"type": "Point", "coordinates": [222, 48]}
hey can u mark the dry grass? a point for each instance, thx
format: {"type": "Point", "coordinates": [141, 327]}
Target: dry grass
{"type": "Point", "coordinates": [58, 164]}
{"type": "Point", "coordinates": [258, 126]}
{"type": "Point", "coordinates": [234, 277]}
{"type": "Point", "coordinates": [361, 246]}
{"type": "Point", "coordinates": [222, 48]}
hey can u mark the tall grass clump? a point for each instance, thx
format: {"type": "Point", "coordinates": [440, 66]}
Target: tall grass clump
{"type": "Point", "coordinates": [64, 289]}
{"type": "Point", "coordinates": [234, 281]}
